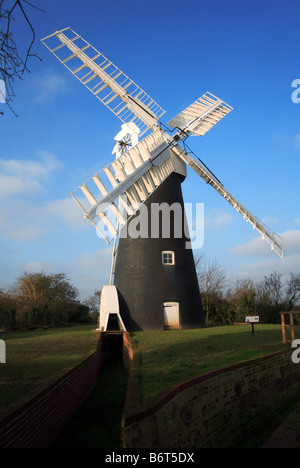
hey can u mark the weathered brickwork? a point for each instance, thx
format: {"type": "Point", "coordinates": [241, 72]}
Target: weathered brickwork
{"type": "Point", "coordinates": [215, 409]}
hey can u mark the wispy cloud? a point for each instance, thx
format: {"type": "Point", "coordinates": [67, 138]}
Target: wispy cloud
{"type": "Point", "coordinates": [259, 260]}
{"type": "Point", "coordinates": [26, 221]}
{"type": "Point", "coordinates": [25, 177]}
{"type": "Point", "coordinates": [24, 215]}
{"type": "Point", "coordinates": [288, 142]}
{"type": "Point", "coordinates": [47, 267]}
{"type": "Point", "coordinates": [217, 221]}
{"type": "Point", "coordinates": [269, 220]}
{"type": "Point", "coordinates": [87, 271]}
{"type": "Point", "coordinates": [258, 247]}
{"type": "Point", "coordinates": [49, 86]}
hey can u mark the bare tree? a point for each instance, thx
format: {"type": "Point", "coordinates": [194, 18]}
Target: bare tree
{"type": "Point", "coordinates": [212, 282]}
{"type": "Point", "coordinates": [211, 275]}
{"type": "Point", "coordinates": [93, 303]}
{"type": "Point", "coordinates": [13, 64]}
{"type": "Point", "coordinates": [293, 290]}
{"type": "Point", "coordinates": [274, 287]}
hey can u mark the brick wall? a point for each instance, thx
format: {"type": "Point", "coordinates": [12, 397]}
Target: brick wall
{"type": "Point", "coordinates": [37, 423]}
{"type": "Point", "coordinates": [215, 409]}
{"type": "Point", "coordinates": [128, 351]}
{"type": "Point", "coordinates": [131, 362]}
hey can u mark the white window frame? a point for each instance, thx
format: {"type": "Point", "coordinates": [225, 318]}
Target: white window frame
{"type": "Point", "coordinates": [168, 252]}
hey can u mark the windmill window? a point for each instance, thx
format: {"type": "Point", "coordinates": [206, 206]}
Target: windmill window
{"type": "Point", "coordinates": [168, 257]}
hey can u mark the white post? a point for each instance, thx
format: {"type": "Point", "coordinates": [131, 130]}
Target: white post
{"type": "Point", "coordinates": [2, 352]}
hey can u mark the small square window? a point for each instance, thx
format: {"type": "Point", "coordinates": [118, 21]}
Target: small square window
{"type": "Point", "coordinates": [168, 257]}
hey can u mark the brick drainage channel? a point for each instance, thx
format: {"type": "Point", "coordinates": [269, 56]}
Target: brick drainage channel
{"type": "Point", "coordinates": [97, 422]}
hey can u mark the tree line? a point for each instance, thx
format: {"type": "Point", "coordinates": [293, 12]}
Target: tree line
{"type": "Point", "coordinates": [45, 300]}
{"type": "Point", "coordinates": [50, 300]}
{"type": "Point", "coordinates": [226, 303]}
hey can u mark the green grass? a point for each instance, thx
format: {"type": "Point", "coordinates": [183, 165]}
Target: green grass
{"type": "Point", "coordinates": [168, 358]}
{"type": "Point", "coordinates": [38, 357]}
{"type": "Point", "coordinates": [171, 357]}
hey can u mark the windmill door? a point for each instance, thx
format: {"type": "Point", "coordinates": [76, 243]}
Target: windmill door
{"type": "Point", "coordinates": [171, 316]}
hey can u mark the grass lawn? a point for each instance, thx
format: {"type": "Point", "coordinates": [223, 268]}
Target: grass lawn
{"type": "Point", "coordinates": [171, 357]}
{"type": "Point", "coordinates": [167, 358]}
{"type": "Point", "coordinates": [37, 357]}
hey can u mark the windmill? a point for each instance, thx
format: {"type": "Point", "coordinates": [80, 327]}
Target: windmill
{"type": "Point", "coordinates": [155, 283]}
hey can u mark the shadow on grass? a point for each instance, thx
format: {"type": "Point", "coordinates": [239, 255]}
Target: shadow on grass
{"type": "Point", "coordinates": [97, 423]}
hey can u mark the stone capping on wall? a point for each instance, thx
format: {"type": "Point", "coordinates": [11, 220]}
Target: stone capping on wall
{"type": "Point", "coordinates": [37, 422]}
{"type": "Point", "coordinates": [273, 370]}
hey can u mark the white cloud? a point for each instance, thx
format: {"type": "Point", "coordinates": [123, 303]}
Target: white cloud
{"type": "Point", "coordinates": [218, 221]}
{"type": "Point", "coordinates": [27, 221]}
{"type": "Point", "coordinates": [96, 261]}
{"type": "Point", "coordinates": [33, 169]}
{"type": "Point", "coordinates": [66, 211]}
{"type": "Point", "coordinates": [87, 272]}
{"type": "Point", "coordinates": [27, 218]}
{"type": "Point", "coordinates": [267, 261]}
{"type": "Point", "coordinates": [47, 267]}
{"type": "Point", "coordinates": [24, 177]}
{"type": "Point", "coordinates": [289, 264]}
{"type": "Point", "coordinates": [292, 242]}
{"type": "Point", "coordinates": [258, 247]}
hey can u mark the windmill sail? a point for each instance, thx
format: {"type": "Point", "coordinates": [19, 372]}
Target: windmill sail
{"type": "Point", "coordinates": [267, 234]}
{"type": "Point", "coordinates": [201, 116]}
{"type": "Point", "coordinates": [104, 80]}
{"type": "Point", "coordinates": [131, 179]}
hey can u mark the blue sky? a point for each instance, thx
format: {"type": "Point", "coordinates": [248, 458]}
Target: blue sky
{"type": "Point", "coordinates": [245, 52]}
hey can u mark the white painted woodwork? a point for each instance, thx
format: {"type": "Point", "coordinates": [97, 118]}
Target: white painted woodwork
{"type": "Point", "coordinates": [136, 174]}
{"type": "Point", "coordinates": [102, 78]}
{"type": "Point", "coordinates": [171, 316]}
{"type": "Point", "coordinates": [109, 304]}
